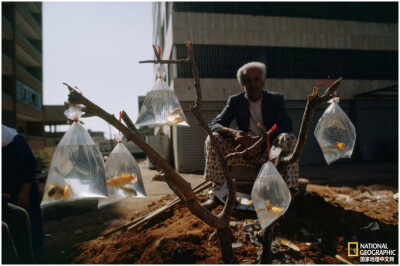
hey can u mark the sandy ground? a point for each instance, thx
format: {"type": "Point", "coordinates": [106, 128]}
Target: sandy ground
{"type": "Point", "coordinates": [320, 223]}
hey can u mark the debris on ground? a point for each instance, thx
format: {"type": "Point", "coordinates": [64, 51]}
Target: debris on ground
{"type": "Point", "coordinates": [319, 223]}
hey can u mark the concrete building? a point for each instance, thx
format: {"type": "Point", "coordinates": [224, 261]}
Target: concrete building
{"type": "Point", "coordinates": [301, 44]}
{"type": "Point", "coordinates": [22, 88]}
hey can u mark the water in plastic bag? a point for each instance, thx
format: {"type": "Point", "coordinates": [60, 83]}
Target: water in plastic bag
{"type": "Point", "coordinates": [77, 168]}
{"type": "Point", "coordinates": [270, 195]}
{"type": "Point", "coordinates": [123, 176]}
{"type": "Point", "coordinates": [335, 133]}
{"type": "Point", "coordinates": [161, 107]}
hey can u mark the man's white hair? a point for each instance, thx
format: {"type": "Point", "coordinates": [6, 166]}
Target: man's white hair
{"type": "Point", "coordinates": [243, 70]}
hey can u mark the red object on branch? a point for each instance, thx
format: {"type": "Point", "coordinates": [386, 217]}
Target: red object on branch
{"type": "Point", "coordinates": [78, 90]}
{"type": "Point", "coordinates": [120, 116]}
{"type": "Point", "coordinates": [269, 139]}
{"type": "Point", "coordinates": [330, 84]}
{"type": "Point", "coordinates": [159, 50]}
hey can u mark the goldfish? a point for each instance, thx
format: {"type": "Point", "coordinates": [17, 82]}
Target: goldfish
{"type": "Point", "coordinates": [268, 205]}
{"type": "Point", "coordinates": [129, 191]}
{"type": "Point", "coordinates": [338, 145]}
{"type": "Point", "coordinates": [176, 120]}
{"type": "Point", "coordinates": [277, 210]}
{"type": "Point", "coordinates": [59, 192]}
{"type": "Point", "coordinates": [121, 180]}
{"type": "Point", "coordinates": [175, 111]}
{"type": "Point", "coordinates": [67, 191]}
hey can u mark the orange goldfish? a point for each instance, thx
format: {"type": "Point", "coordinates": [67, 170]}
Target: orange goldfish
{"type": "Point", "coordinates": [277, 210]}
{"type": "Point", "coordinates": [176, 120]}
{"type": "Point", "coordinates": [268, 205]}
{"type": "Point", "coordinates": [121, 180]}
{"type": "Point", "coordinates": [338, 145]}
{"type": "Point", "coordinates": [59, 192]}
{"type": "Point", "coordinates": [175, 111]}
{"type": "Point", "coordinates": [67, 191]}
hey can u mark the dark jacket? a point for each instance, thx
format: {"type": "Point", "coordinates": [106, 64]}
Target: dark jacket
{"type": "Point", "coordinates": [273, 112]}
{"type": "Point", "coordinates": [19, 166]}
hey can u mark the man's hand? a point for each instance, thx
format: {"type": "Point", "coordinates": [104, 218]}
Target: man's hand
{"type": "Point", "coordinates": [244, 140]}
{"type": "Point", "coordinates": [23, 195]}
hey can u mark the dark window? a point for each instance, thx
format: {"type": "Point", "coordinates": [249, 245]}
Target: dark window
{"type": "Point", "coordinates": [354, 11]}
{"type": "Point", "coordinates": [217, 61]}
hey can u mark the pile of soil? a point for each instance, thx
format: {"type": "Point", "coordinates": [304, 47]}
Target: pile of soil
{"type": "Point", "coordinates": [320, 222]}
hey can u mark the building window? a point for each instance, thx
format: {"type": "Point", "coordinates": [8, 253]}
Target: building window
{"type": "Point", "coordinates": [28, 95]}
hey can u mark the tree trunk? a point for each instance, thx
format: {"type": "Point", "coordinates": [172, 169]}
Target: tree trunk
{"type": "Point", "coordinates": [225, 243]}
{"type": "Point", "coordinates": [266, 237]}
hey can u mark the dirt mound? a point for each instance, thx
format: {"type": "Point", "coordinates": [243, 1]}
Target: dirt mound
{"type": "Point", "coordinates": [319, 223]}
{"type": "Point", "coordinates": [176, 236]}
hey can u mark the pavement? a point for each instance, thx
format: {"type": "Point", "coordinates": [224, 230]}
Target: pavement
{"type": "Point", "coordinates": [160, 188]}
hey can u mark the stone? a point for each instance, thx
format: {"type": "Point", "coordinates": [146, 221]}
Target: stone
{"type": "Point", "coordinates": [237, 245]}
{"type": "Point", "coordinates": [248, 227]}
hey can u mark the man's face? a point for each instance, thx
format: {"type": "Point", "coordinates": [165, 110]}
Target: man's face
{"type": "Point", "coordinates": [253, 84]}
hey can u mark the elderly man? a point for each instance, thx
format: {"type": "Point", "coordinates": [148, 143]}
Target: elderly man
{"type": "Point", "coordinates": [252, 106]}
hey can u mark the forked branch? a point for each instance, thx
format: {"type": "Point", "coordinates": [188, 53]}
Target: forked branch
{"type": "Point", "coordinates": [172, 177]}
{"type": "Point", "coordinates": [313, 102]}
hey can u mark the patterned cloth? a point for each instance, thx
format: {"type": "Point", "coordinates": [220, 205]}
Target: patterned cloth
{"type": "Point", "coordinates": [213, 172]}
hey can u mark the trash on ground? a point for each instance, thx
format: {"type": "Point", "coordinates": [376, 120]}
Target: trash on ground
{"type": "Point", "coordinates": [374, 226]}
{"type": "Point", "coordinates": [343, 259]}
{"type": "Point", "coordinates": [290, 244]}
{"type": "Point", "coordinates": [237, 245]}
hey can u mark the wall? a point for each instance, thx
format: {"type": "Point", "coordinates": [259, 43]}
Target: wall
{"type": "Point", "coordinates": [376, 124]}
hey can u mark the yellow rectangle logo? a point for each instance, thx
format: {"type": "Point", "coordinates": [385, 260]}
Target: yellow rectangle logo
{"type": "Point", "coordinates": [352, 249]}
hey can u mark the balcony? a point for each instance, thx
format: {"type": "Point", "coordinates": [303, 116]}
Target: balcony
{"type": "Point", "coordinates": [29, 79]}
{"type": "Point", "coordinates": [7, 30]}
{"type": "Point", "coordinates": [27, 54]}
{"type": "Point", "coordinates": [7, 65]}
{"type": "Point", "coordinates": [34, 7]}
{"type": "Point", "coordinates": [27, 23]}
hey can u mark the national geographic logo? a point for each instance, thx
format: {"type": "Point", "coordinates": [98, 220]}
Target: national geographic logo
{"type": "Point", "coordinates": [371, 252]}
{"type": "Point", "coordinates": [352, 249]}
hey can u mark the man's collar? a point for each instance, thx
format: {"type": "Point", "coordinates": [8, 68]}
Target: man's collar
{"type": "Point", "coordinates": [253, 102]}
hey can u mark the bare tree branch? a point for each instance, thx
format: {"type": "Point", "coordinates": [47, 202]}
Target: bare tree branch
{"type": "Point", "coordinates": [129, 123]}
{"type": "Point", "coordinates": [314, 101]}
{"type": "Point", "coordinates": [196, 110]}
{"type": "Point", "coordinates": [171, 61]}
{"type": "Point", "coordinates": [177, 184]}
{"type": "Point", "coordinates": [156, 53]}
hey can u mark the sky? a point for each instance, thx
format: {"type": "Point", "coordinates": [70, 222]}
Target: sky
{"type": "Point", "coordinates": [97, 47]}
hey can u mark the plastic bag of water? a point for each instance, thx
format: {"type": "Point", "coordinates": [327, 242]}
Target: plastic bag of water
{"type": "Point", "coordinates": [335, 133]}
{"type": "Point", "coordinates": [270, 194]}
{"type": "Point", "coordinates": [77, 169]}
{"type": "Point", "coordinates": [161, 107]}
{"type": "Point", "coordinates": [123, 177]}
